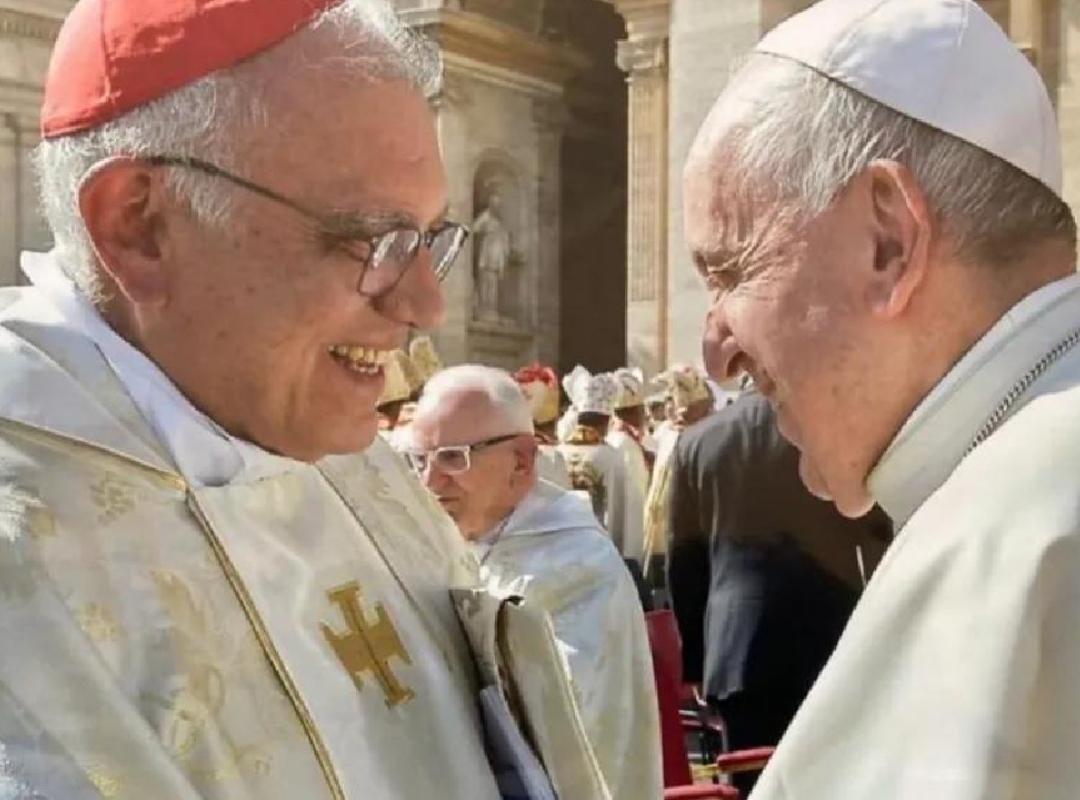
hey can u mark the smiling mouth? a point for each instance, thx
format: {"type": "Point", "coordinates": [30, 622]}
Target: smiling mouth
{"type": "Point", "coordinates": [362, 360]}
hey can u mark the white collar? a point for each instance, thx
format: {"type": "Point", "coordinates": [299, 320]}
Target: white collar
{"type": "Point", "coordinates": [943, 426]}
{"type": "Point", "coordinates": [205, 454]}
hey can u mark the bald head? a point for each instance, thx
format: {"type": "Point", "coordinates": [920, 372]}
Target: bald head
{"type": "Point", "coordinates": [481, 411]}
{"type": "Point", "coordinates": [475, 403]}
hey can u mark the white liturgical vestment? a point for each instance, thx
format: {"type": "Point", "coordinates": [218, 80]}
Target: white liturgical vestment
{"type": "Point", "coordinates": [184, 615]}
{"type": "Point", "coordinates": [600, 470]}
{"type": "Point", "coordinates": [553, 552]}
{"type": "Point", "coordinates": [637, 474]}
{"type": "Point", "coordinates": [958, 676]}
{"type": "Point", "coordinates": [552, 466]}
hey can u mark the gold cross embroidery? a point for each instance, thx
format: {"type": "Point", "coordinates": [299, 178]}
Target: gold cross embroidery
{"type": "Point", "coordinates": [368, 646]}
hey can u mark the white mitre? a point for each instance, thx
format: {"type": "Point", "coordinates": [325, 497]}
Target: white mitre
{"type": "Point", "coordinates": [631, 382]}
{"type": "Point", "coordinates": [591, 393]}
{"type": "Point", "coordinates": [944, 63]}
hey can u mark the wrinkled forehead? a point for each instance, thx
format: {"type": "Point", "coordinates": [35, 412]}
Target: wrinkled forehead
{"type": "Point", "coordinates": [459, 416]}
{"type": "Point", "coordinates": [724, 206]}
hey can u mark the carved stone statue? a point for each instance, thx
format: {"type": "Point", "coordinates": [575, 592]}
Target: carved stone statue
{"type": "Point", "coordinates": [494, 250]}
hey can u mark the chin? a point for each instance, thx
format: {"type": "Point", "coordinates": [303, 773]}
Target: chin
{"type": "Point", "coordinates": [853, 503]}
{"type": "Point", "coordinates": [358, 440]}
{"type": "Point", "coordinates": [352, 440]}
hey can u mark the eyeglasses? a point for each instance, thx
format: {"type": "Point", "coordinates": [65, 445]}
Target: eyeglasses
{"type": "Point", "coordinates": [452, 459]}
{"type": "Point", "coordinates": [384, 257]}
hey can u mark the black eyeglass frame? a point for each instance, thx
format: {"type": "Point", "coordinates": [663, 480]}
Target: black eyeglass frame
{"type": "Point", "coordinates": [412, 456]}
{"type": "Point", "coordinates": [344, 232]}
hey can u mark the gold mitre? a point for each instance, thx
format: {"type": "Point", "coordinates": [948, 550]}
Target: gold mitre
{"type": "Point", "coordinates": [425, 358]}
{"type": "Point", "coordinates": [685, 384]}
{"type": "Point", "coordinates": [401, 378]}
{"type": "Point", "coordinates": [540, 385]}
{"type": "Point", "coordinates": [631, 388]}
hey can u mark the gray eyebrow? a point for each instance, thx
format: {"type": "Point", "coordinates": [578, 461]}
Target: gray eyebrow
{"type": "Point", "coordinates": [348, 223]}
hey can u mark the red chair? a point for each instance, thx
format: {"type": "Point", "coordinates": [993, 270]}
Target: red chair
{"type": "Point", "coordinates": [667, 672]}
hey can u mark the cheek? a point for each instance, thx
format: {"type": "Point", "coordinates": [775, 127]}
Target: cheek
{"type": "Point", "coordinates": [754, 322]}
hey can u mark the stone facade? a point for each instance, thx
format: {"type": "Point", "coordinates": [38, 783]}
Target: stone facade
{"type": "Point", "coordinates": [519, 91]}
{"type": "Point", "coordinates": [27, 29]}
{"type": "Point", "coordinates": [704, 40]}
{"type": "Point", "coordinates": [500, 118]}
{"type": "Point", "coordinates": [531, 114]}
{"type": "Point", "coordinates": [587, 143]}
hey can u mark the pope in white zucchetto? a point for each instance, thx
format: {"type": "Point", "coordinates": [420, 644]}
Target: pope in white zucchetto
{"type": "Point", "coordinates": [875, 204]}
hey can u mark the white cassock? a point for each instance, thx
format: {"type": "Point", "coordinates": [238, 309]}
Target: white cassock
{"type": "Point", "coordinates": [553, 552]}
{"type": "Point", "coordinates": [551, 466]}
{"type": "Point", "coordinates": [637, 473]}
{"type": "Point", "coordinates": [185, 616]}
{"type": "Point", "coordinates": [958, 676]}
{"type": "Point", "coordinates": [600, 469]}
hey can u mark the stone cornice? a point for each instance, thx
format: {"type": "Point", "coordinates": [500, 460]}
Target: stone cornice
{"type": "Point", "coordinates": [649, 19]}
{"type": "Point", "coordinates": [638, 56]}
{"type": "Point", "coordinates": [23, 25]}
{"type": "Point", "coordinates": [476, 38]}
{"type": "Point", "coordinates": [648, 27]}
{"type": "Point", "coordinates": [48, 9]}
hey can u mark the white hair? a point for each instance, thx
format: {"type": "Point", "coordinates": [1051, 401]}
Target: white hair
{"type": "Point", "coordinates": [498, 386]}
{"type": "Point", "coordinates": [217, 117]}
{"type": "Point", "coordinates": [809, 136]}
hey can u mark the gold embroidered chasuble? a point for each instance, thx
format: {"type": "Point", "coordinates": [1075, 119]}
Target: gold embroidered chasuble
{"type": "Point", "coordinates": [553, 552]}
{"type": "Point", "coordinates": [284, 636]}
{"type": "Point", "coordinates": [600, 470]}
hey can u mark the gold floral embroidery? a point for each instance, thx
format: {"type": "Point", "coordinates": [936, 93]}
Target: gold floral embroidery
{"type": "Point", "coordinates": [584, 476]}
{"type": "Point", "coordinates": [41, 522]}
{"type": "Point", "coordinates": [470, 565]}
{"type": "Point", "coordinates": [99, 623]}
{"type": "Point", "coordinates": [192, 709]}
{"type": "Point", "coordinates": [113, 496]}
{"type": "Point", "coordinates": [195, 709]}
{"type": "Point", "coordinates": [584, 436]}
{"type": "Point", "coordinates": [17, 509]}
{"type": "Point", "coordinates": [107, 784]}
{"type": "Point", "coordinates": [19, 575]}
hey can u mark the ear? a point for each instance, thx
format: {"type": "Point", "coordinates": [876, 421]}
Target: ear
{"type": "Point", "coordinates": [525, 453]}
{"type": "Point", "coordinates": [902, 228]}
{"type": "Point", "coordinates": [122, 207]}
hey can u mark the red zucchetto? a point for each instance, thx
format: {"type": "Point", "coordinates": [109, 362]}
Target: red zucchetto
{"type": "Point", "coordinates": [115, 55]}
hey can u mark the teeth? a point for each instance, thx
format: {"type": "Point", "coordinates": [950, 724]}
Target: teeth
{"type": "Point", "coordinates": [361, 359]}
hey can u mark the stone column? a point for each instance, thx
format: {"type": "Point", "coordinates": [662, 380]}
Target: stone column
{"type": "Point", "coordinates": [643, 55]}
{"type": "Point", "coordinates": [1032, 25]}
{"type": "Point", "coordinates": [27, 30]}
{"type": "Point", "coordinates": [707, 41]}
{"type": "Point", "coordinates": [550, 118]}
{"type": "Point", "coordinates": [452, 108]}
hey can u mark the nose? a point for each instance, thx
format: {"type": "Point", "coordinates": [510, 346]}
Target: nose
{"type": "Point", "coordinates": [434, 478]}
{"type": "Point", "coordinates": [721, 352]}
{"type": "Point", "coordinates": [417, 300]}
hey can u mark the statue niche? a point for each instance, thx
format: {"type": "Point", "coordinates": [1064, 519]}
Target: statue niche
{"type": "Point", "coordinates": [496, 257]}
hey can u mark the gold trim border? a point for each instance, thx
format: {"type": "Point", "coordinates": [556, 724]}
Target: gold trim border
{"type": "Point", "coordinates": [322, 755]}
